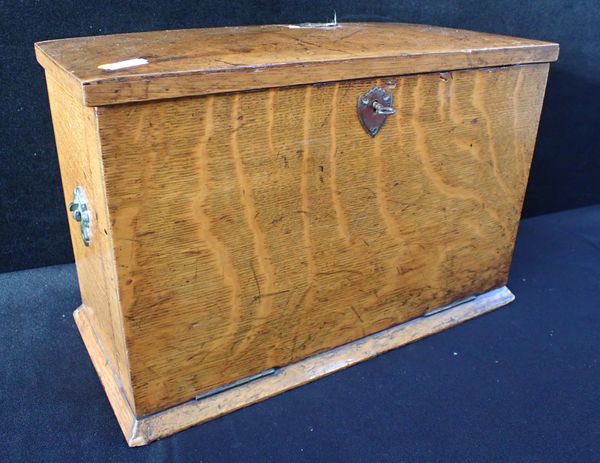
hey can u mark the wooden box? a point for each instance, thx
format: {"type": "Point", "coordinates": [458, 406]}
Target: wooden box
{"type": "Point", "coordinates": [256, 207]}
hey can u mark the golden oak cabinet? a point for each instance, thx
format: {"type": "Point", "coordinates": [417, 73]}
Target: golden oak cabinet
{"type": "Point", "coordinates": [256, 207]}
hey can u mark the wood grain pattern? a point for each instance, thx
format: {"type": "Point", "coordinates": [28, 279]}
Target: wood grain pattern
{"type": "Point", "coordinates": [255, 229]}
{"type": "Point", "coordinates": [208, 61]}
{"type": "Point", "coordinates": [75, 131]}
{"type": "Point", "coordinates": [142, 431]}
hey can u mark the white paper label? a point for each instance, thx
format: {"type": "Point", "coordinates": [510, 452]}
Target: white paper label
{"type": "Point", "coordinates": [123, 64]}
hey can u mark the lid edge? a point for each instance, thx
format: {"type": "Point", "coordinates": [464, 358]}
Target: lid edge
{"type": "Point", "coordinates": [133, 88]}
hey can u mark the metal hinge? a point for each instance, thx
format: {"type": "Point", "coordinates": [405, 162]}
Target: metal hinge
{"type": "Point", "coordinates": [449, 306]}
{"type": "Point", "coordinates": [237, 383]}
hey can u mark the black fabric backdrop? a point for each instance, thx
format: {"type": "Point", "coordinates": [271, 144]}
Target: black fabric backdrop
{"type": "Point", "coordinates": [33, 223]}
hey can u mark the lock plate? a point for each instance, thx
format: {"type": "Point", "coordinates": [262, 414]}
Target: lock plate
{"type": "Point", "coordinates": [373, 108]}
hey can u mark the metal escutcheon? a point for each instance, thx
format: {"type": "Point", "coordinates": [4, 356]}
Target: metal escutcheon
{"type": "Point", "coordinates": [373, 109]}
{"type": "Point", "coordinates": [79, 210]}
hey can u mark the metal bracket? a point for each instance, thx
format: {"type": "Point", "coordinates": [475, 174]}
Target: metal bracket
{"type": "Point", "coordinates": [449, 306]}
{"type": "Point", "coordinates": [237, 383]}
{"type": "Point", "coordinates": [332, 23]}
{"type": "Point", "coordinates": [79, 210]}
{"type": "Point", "coordinates": [373, 109]}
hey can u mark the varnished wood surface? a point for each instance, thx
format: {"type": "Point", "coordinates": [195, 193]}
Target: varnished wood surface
{"type": "Point", "coordinates": [207, 61]}
{"type": "Point", "coordinates": [253, 230]}
{"type": "Point", "coordinates": [142, 431]}
{"type": "Point", "coordinates": [75, 131]}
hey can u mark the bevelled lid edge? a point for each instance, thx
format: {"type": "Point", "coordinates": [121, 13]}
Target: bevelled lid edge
{"type": "Point", "coordinates": [271, 56]}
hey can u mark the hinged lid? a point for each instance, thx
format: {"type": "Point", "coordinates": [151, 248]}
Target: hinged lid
{"type": "Point", "coordinates": [122, 68]}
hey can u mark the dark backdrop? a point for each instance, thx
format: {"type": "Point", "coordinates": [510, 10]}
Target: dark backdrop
{"type": "Point", "coordinates": [33, 223]}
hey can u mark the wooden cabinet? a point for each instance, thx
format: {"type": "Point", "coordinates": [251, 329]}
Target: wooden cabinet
{"type": "Point", "coordinates": [257, 197]}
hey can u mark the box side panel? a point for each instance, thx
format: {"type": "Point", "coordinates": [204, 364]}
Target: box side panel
{"type": "Point", "coordinates": [75, 130]}
{"type": "Point", "coordinates": [252, 230]}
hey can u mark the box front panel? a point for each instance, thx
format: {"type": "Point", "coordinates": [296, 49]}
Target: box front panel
{"type": "Point", "coordinates": [252, 230]}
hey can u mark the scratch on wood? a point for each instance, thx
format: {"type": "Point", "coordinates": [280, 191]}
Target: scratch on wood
{"type": "Point", "coordinates": [258, 296]}
{"type": "Point", "coordinates": [356, 313]}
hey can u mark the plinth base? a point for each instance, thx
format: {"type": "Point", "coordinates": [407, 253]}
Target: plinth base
{"type": "Point", "coordinates": [142, 431]}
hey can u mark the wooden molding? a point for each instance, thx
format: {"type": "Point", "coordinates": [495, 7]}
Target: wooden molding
{"type": "Point", "coordinates": [142, 431]}
{"type": "Point", "coordinates": [207, 61]}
